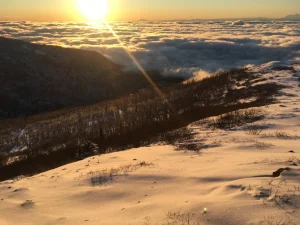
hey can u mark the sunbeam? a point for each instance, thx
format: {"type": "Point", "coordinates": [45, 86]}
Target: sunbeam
{"type": "Point", "coordinates": [134, 60]}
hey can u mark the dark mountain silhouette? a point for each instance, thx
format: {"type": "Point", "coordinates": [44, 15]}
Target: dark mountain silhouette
{"type": "Point", "coordinates": [295, 17]}
{"type": "Point", "coordinates": [37, 78]}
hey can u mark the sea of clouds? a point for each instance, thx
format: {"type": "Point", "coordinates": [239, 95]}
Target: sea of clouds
{"type": "Point", "coordinates": [182, 48]}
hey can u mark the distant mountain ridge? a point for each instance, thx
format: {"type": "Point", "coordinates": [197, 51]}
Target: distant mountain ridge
{"type": "Point", "coordinates": [37, 78]}
{"type": "Point", "coordinates": [295, 17]}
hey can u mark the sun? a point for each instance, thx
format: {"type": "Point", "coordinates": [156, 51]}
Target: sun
{"type": "Point", "coordinates": [93, 9]}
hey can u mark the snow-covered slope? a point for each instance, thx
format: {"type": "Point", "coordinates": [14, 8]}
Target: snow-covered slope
{"type": "Point", "coordinates": [230, 181]}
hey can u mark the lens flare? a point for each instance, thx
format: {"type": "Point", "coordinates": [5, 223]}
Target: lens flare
{"type": "Point", "coordinates": [135, 61]}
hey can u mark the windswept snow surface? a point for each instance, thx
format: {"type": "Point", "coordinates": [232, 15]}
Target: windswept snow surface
{"type": "Point", "coordinates": [231, 177]}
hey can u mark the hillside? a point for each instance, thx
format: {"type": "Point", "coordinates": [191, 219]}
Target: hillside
{"type": "Point", "coordinates": [38, 78]}
{"type": "Point", "coordinates": [49, 140]}
{"type": "Point", "coordinates": [230, 171]}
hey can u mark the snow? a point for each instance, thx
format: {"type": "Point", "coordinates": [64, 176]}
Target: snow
{"type": "Point", "coordinates": [229, 182]}
{"type": "Point", "coordinates": [18, 149]}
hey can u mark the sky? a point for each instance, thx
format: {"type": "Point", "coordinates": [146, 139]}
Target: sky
{"type": "Point", "coordinates": [67, 10]}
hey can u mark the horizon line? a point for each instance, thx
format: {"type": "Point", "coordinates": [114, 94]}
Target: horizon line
{"type": "Point", "coordinates": [141, 19]}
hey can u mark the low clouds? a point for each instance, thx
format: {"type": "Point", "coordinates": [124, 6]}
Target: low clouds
{"type": "Point", "coordinates": [181, 48]}
{"type": "Point", "coordinates": [238, 23]}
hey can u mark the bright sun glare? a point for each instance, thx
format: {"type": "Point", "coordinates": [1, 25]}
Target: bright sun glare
{"type": "Point", "coordinates": [93, 9]}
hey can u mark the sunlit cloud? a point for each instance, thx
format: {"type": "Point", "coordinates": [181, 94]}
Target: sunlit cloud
{"type": "Point", "coordinates": [182, 48]}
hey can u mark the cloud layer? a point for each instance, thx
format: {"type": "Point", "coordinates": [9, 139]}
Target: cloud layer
{"type": "Point", "coordinates": [176, 48]}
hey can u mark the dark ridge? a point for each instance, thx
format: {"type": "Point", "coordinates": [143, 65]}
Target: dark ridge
{"type": "Point", "coordinates": [40, 78]}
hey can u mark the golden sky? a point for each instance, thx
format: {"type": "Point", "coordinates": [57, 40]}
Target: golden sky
{"type": "Point", "coordinates": [67, 10]}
